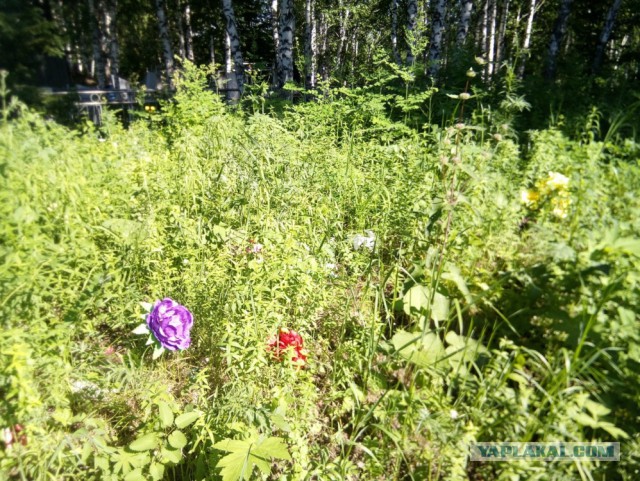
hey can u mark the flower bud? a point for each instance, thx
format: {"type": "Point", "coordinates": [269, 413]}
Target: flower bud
{"type": "Point", "coordinates": [464, 96]}
{"type": "Point", "coordinates": [471, 73]}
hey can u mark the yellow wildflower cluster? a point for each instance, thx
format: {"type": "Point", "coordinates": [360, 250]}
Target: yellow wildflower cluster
{"type": "Point", "coordinates": [555, 189]}
{"type": "Point", "coordinates": [150, 108]}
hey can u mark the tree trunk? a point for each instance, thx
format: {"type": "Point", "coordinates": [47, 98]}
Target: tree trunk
{"type": "Point", "coordinates": [212, 49]}
{"type": "Point", "coordinates": [96, 40]}
{"type": "Point", "coordinates": [485, 34]}
{"type": "Point", "coordinates": [188, 32]}
{"type": "Point", "coordinates": [323, 27]}
{"type": "Point", "coordinates": [527, 38]}
{"type": "Point", "coordinates": [275, 33]}
{"type": "Point", "coordinates": [234, 54]}
{"type": "Point", "coordinates": [182, 51]}
{"type": "Point", "coordinates": [167, 52]}
{"type": "Point", "coordinates": [412, 14]}
{"type": "Point", "coordinates": [437, 30]}
{"type": "Point", "coordinates": [605, 35]}
{"type": "Point", "coordinates": [287, 27]}
{"type": "Point", "coordinates": [466, 7]}
{"type": "Point", "coordinates": [310, 45]}
{"type": "Point", "coordinates": [559, 31]}
{"type": "Point", "coordinates": [394, 31]}
{"type": "Point", "coordinates": [491, 48]}
{"type": "Point", "coordinates": [502, 30]}
{"type": "Point", "coordinates": [112, 38]}
{"type": "Point", "coordinates": [344, 18]}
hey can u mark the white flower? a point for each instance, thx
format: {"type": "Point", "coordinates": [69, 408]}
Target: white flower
{"type": "Point", "coordinates": [367, 241]}
{"type": "Point", "coordinates": [454, 414]}
{"type": "Point", "coordinates": [557, 181]}
{"type": "Point", "coordinates": [256, 248]}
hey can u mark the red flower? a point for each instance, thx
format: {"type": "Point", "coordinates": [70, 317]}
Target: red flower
{"type": "Point", "coordinates": [291, 343]}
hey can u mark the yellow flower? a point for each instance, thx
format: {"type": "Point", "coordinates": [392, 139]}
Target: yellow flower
{"type": "Point", "coordinates": [529, 197]}
{"type": "Point", "coordinates": [560, 206]}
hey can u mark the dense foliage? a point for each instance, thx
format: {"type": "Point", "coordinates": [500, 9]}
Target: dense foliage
{"type": "Point", "coordinates": [433, 285]}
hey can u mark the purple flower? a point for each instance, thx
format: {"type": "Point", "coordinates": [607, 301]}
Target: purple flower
{"type": "Point", "coordinates": [171, 324]}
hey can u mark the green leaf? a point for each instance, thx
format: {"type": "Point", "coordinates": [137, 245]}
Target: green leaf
{"type": "Point", "coordinates": [135, 475]}
{"type": "Point", "coordinates": [246, 454]}
{"type": "Point", "coordinates": [166, 414]}
{"type": "Point", "coordinates": [146, 306]}
{"type": "Point", "coordinates": [101, 462]}
{"type": "Point", "coordinates": [275, 448]}
{"type": "Point", "coordinates": [418, 298]}
{"type": "Point", "coordinates": [422, 350]}
{"type": "Point", "coordinates": [596, 409]}
{"type": "Point", "coordinates": [146, 442]}
{"type": "Point", "coordinates": [141, 329]}
{"type": "Point", "coordinates": [156, 470]}
{"type": "Point", "coordinates": [612, 429]}
{"type": "Point", "coordinates": [170, 455]}
{"type": "Point", "coordinates": [185, 419]}
{"type": "Point", "coordinates": [157, 352]}
{"type": "Point", "coordinates": [177, 439]}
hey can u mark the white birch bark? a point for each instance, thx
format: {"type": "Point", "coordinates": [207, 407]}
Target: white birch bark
{"type": "Point", "coordinates": [112, 38]}
{"type": "Point", "coordinates": [234, 53]}
{"type": "Point", "coordinates": [559, 31]}
{"type": "Point", "coordinates": [412, 14]}
{"type": "Point", "coordinates": [394, 31]}
{"type": "Point", "coordinates": [502, 30]}
{"type": "Point", "coordinates": [344, 19]}
{"type": "Point", "coordinates": [275, 33]}
{"type": "Point", "coordinates": [466, 8]}
{"type": "Point", "coordinates": [165, 39]}
{"type": "Point", "coordinates": [182, 51]}
{"type": "Point", "coordinates": [605, 35]}
{"type": "Point", "coordinates": [491, 48]}
{"type": "Point", "coordinates": [188, 34]}
{"type": "Point", "coordinates": [285, 54]}
{"type": "Point", "coordinates": [527, 38]}
{"type": "Point", "coordinates": [310, 45]}
{"type": "Point", "coordinates": [437, 31]}
{"type": "Point", "coordinates": [485, 34]}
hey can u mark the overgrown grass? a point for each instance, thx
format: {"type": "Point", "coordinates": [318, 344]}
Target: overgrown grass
{"type": "Point", "coordinates": [472, 317]}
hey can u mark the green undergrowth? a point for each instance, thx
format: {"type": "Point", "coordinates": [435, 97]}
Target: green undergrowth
{"type": "Point", "coordinates": [452, 283]}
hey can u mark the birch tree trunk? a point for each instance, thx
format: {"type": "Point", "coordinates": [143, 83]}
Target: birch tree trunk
{"type": "Point", "coordinates": [605, 35]}
{"type": "Point", "coordinates": [491, 48]}
{"type": "Point", "coordinates": [412, 14]}
{"type": "Point", "coordinates": [344, 18]}
{"type": "Point", "coordinates": [323, 27]}
{"type": "Point", "coordinates": [114, 47]}
{"type": "Point", "coordinates": [527, 38]}
{"type": "Point", "coordinates": [437, 29]}
{"type": "Point", "coordinates": [167, 52]}
{"type": "Point", "coordinates": [559, 31]}
{"type": "Point", "coordinates": [485, 34]}
{"type": "Point", "coordinates": [310, 45]}
{"type": "Point", "coordinates": [287, 27]}
{"type": "Point", "coordinates": [275, 32]}
{"type": "Point", "coordinates": [466, 7]}
{"type": "Point", "coordinates": [188, 32]}
{"type": "Point", "coordinates": [394, 31]}
{"type": "Point", "coordinates": [234, 53]}
{"type": "Point", "coordinates": [96, 40]}
{"type": "Point", "coordinates": [502, 30]}
{"type": "Point", "coordinates": [182, 51]}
